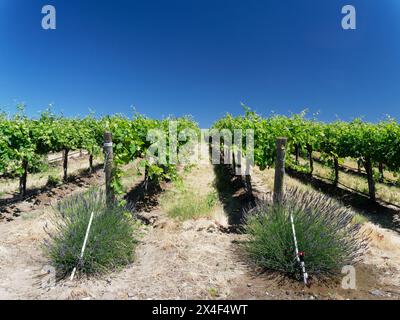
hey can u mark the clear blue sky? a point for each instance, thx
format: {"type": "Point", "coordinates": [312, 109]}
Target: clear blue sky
{"type": "Point", "coordinates": [202, 57]}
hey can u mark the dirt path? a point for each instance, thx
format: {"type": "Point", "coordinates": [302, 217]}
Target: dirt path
{"type": "Point", "coordinates": [196, 259]}
{"type": "Point", "coordinates": [174, 260]}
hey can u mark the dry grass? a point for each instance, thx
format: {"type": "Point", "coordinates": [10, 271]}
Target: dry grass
{"type": "Point", "coordinates": [267, 177]}
{"type": "Point", "coordinates": [389, 175]}
{"type": "Point", "coordinates": [190, 260]}
{"type": "Point", "coordinates": [352, 163]}
{"type": "Point", "coordinates": [383, 191]}
{"type": "Point", "coordinates": [382, 239]}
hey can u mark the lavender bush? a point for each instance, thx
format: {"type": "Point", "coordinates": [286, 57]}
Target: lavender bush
{"type": "Point", "coordinates": [111, 241]}
{"type": "Point", "coordinates": [325, 233]}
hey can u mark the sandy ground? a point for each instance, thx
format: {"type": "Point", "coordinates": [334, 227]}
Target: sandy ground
{"type": "Point", "coordinates": [189, 260]}
{"type": "Point", "coordinates": [196, 259]}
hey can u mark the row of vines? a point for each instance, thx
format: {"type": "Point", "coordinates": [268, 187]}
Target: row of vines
{"type": "Point", "coordinates": [371, 144]}
{"type": "Point", "coordinates": [23, 139]}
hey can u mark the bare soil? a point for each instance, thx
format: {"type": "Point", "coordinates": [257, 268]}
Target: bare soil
{"type": "Point", "coordinates": [39, 195]}
{"type": "Point", "coordinates": [195, 259]}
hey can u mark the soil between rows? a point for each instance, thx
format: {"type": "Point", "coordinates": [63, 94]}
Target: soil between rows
{"type": "Point", "coordinates": [195, 259]}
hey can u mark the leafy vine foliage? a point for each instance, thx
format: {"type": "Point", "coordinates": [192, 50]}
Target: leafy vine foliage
{"type": "Point", "coordinates": [372, 144]}
{"type": "Point", "coordinates": [22, 139]}
{"type": "Point", "coordinates": [132, 139]}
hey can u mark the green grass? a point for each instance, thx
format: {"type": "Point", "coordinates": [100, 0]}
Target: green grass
{"type": "Point", "coordinates": [359, 219]}
{"type": "Point", "coordinates": [183, 204]}
{"type": "Point", "coordinates": [213, 292]}
{"type": "Point", "coordinates": [53, 181]}
{"type": "Point", "coordinates": [111, 242]}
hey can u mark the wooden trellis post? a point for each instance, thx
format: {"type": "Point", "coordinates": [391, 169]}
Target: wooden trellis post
{"type": "Point", "coordinates": [279, 169]}
{"type": "Point", "coordinates": [370, 176]}
{"type": "Point", "coordinates": [65, 165]}
{"type": "Point", "coordinates": [23, 178]}
{"type": "Point", "coordinates": [108, 166]}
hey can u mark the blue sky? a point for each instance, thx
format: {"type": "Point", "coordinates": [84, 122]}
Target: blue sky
{"type": "Point", "coordinates": [202, 57]}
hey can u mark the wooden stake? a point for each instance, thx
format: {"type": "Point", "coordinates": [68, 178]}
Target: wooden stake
{"type": "Point", "coordinates": [310, 157]}
{"type": "Point", "coordinates": [370, 175]}
{"type": "Point", "coordinates": [297, 152]}
{"type": "Point", "coordinates": [279, 169]}
{"type": "Point", "coordinates": [65, 165]}
{"type": "Point", "coordinates": [23, 178]}
{"type": "Point", "coordinates": [90, 163]}
{"type": "Point", "coordinates": [336, 166]}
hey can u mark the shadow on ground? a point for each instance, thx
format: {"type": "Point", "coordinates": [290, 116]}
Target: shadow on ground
{"type": "Point", "coordinates": [356, 173]}
{"type": "Point", "coordinates": [144, 196]}
{"type": "Point", "coordinates": [233, 194]}
{"type": "Point", "coordinates": [8, 206]}
{"type": "Point", "coordinates": [380, 214]}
